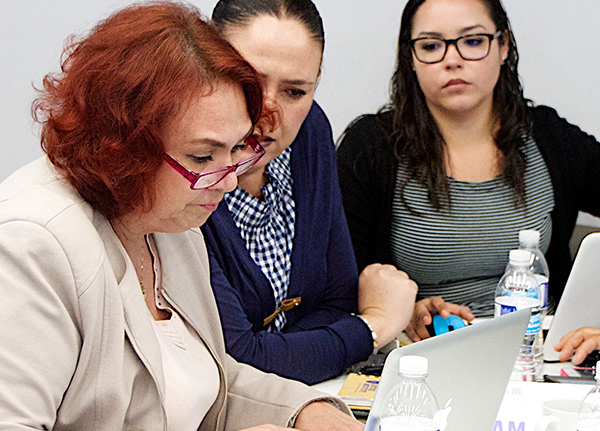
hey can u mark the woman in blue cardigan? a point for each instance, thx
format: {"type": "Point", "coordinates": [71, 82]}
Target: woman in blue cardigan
{"type": "Point", "coordinates": [283, 268]}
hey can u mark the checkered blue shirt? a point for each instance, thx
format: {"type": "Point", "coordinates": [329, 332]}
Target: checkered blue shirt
{"type": "Point", "coordinates": [267, 226]}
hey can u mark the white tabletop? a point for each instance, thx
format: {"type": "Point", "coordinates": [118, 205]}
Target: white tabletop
{"type": "Point", "coordinates": [522, 403]}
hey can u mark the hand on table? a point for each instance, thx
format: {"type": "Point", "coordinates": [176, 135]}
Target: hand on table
{"type": "Point", "coordinates": [322, 416]}
{"type": "Point", "coordinates": [422, 315]}
{"type": "Point", "coordinates": [386, 297]}
{"type": "Point", "coordinates": [583, 341]}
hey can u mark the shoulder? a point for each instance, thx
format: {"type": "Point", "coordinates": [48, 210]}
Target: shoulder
{"type": "Point", "coordinates": [313, 147]}
{"type": "Point", "coordinates": [369, 132]}
{"type": "Point", "coordinates": [552, 132]}
{"type": "Point", "coordinates": [367, 138]}
{"type": "Point", "coordinates": [317, 118]}
{"type": "Point", "coordinates": [315, 133]}
{"type": "Point", "coordinates": [38, 204]}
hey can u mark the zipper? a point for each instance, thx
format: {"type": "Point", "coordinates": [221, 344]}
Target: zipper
{"type": "Point", "coordinates": [152, 374]}
{"type": "Point", "coordinates": [210, 350]}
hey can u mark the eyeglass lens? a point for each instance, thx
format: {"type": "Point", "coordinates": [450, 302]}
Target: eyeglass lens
{"type": "Point", "coordinates": [248, 159]}
{"type": "Point", "coordinates": [472, 47]}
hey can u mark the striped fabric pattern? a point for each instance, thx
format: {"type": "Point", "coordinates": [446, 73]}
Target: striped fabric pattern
{"type": "Point", "coordinates": [267, 226]}
{"type": "Point", "coordinates": [461, 253]}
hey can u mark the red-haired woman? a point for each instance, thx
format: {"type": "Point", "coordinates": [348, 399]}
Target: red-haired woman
{"type": "Point", "coordinates": [109, 320]}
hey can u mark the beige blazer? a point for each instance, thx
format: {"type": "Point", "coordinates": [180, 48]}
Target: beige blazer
{"type": "Point", "coordinates": [77, 350]}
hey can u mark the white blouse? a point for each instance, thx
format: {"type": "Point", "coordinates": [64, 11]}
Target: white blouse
{"type": "Point", "coordinates": [191, 374]}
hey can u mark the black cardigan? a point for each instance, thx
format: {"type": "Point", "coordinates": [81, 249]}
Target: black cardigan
{"type": "Point", "coordinates": [367, 174]}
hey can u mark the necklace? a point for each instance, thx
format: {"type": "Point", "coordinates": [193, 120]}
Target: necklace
{"type": "Point", "coordinates": [142, 266]}
{"type": "Point", "coordinates": [142, 277]}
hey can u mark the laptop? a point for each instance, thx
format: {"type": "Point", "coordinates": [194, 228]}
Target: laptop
{"type": "Point", "coordinates": [469, 370]}
{"type": "Point", "coordinates": [580, 302]}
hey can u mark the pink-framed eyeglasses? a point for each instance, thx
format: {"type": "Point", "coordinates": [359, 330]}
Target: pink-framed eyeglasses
{"type": "Point", "coordinates": [209, 179]}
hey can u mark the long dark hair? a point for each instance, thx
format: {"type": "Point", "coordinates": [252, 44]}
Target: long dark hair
{"type": "Point", "coordinates": [238, 13]}
{"type": "Point", "coordinates": [415, 137]}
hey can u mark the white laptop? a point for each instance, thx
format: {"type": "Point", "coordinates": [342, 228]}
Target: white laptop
{"type": "Point", "coordinates": [580, 302]}
{"type": "Point", "coordinates": [469, 369]}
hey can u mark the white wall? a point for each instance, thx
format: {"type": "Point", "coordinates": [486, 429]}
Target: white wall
{"type": "Point", "coordinates": [557, 39]}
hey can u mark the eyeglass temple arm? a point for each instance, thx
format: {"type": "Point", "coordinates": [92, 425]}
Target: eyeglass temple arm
{"type": "Point", "coordinates": [188, 175]}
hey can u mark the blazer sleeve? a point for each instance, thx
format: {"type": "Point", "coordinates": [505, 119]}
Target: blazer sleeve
{"type": "Point", "coordinates": [254, 395]}
{"type": "Point", "coordinates": [40, 338]}
{"type": "Point", "coordinates": [310, 356]}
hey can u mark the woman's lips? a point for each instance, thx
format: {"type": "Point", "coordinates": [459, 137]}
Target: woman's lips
{"type": "Point", "coordinates": [210, 207]}
{"type": "Point", "coordinates": [455, 83]}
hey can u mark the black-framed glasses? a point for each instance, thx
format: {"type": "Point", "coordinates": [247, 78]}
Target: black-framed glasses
{"type": "Point", "coordinates": [209, 179]}
{"type": "Point", "coordinates": [431, 50]}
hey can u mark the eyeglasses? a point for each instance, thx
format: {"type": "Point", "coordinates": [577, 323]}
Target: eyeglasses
{"type": "Point", "coordinates": [209, 179]}
{"type": "Point", "coordinates": [431, 50]}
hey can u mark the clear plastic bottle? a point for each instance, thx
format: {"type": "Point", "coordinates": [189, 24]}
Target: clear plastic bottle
{"type": "Point", "coordinates": [588, 418]}
{"type": "Point", "coordinates": [529, 240]}
{"type": "Point", "coordinates": [518, 289]}
{"type": "Point", "coordinates": [411, 404]}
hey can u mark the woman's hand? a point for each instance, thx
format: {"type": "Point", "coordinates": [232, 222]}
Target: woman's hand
{"type": "Point", "coordinates": [322, 416]}
{"type": "Point", "coordinates": [422, 315]}
{"type": "Point", "coordinates": [583, 340]}
{"type": "Point", "coordinates": [386, 298]}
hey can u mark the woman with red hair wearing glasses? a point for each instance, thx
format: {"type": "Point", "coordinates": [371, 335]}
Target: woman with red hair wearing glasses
{"type": "Point", "coordinates": [110, 321]}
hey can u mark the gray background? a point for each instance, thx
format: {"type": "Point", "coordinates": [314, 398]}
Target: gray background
{"type": "Point", "coordinates": [557, 39]}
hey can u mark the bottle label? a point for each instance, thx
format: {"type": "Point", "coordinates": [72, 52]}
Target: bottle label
{"type": "Point", "coordinates": [533, 327]}
{"type": "Point", "coordinates": [505, 309]}
{"type": "Point", "coordinates": [543, 285]}
{"type": "Point", "coordinates": [508, 304]}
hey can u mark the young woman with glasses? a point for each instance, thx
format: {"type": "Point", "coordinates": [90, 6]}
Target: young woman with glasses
{"type": "Point", "coordinates": [283, 270]}
{"type": "Point", "coordinates": [441, 180]}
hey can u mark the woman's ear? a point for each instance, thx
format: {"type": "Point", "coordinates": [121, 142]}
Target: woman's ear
{"type": "Point", "coordinates": [504, 45]}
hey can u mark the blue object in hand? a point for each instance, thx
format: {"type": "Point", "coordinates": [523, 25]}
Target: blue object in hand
{"type": "Point", "coordinates": [442, 325]}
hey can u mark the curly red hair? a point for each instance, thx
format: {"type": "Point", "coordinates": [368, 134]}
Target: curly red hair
{"type": "Point", "coordinates": [103, 115]}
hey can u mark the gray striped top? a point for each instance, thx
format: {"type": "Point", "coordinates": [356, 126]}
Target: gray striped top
{"type": "Point", "coordinates": [461, 253]}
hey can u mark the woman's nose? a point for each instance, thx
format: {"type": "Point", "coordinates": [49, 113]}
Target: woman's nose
{"type": "Point", "coordinates": [230, 182]}
{"type": "Point", "coordinates": [452, 58]}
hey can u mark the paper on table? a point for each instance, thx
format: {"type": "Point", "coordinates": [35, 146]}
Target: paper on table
{"type": "Point", "coordinates": [359, 389]}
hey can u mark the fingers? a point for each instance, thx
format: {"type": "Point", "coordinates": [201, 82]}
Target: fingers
{"type": "Point", "coordinates": [437, 305]}
{"type": "Point", "coordinates": [584, 349]}
{"type": "Point", "coordinates": [417, 328]}
{"type": "Point", "coordinates": [424, 311]}
{"type": "Point", "coordinates": [581, 341]}
{"type": "Point", "coordinates": [461, 311]}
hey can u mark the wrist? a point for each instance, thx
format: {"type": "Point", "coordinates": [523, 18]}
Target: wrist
{"type": "Point", "coordinates": [374, 335]}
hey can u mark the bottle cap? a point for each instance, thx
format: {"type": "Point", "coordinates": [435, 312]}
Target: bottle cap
{"type": "Point", "coordinates": [413, 365]}
{"type": "Point", "coordinates": [529, 237]}
{"type": "Point", "coordinates": [519, 257]}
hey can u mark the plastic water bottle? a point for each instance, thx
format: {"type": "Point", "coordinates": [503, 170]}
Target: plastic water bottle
{"type": "Point", "coordinates": [411, 404]}
{"type": "Point", "coordinates": [588, 418]}
{"type": "Point", "coordinates": [529, 240]}
{"type": "Point", "coordinates": [518, 289]}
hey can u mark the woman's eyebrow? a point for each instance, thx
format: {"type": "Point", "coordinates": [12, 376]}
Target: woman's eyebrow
{"type": "Point", "coordinates": [440, 36]}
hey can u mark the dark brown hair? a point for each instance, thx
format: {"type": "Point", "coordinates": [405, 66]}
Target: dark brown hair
{"type": "Point", "coordinates": [415, 137]}
{"type": "Point", "coordinates": [238, 13]}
